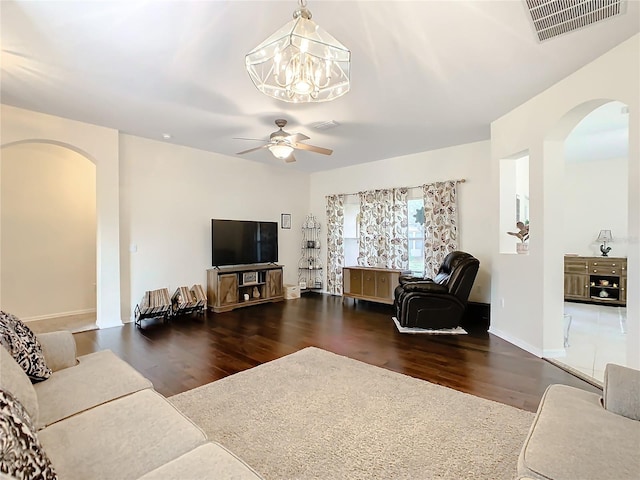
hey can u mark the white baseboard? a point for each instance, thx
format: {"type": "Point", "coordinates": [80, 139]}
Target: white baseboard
{"type": "Point", "coordinates": [554, 353]}
{"type": "Point", "coordinates": [517, 342]}
{"type": "Point", "coordinates": [548, 353]}
{"type": "Point", "coordinates": [57, 315]}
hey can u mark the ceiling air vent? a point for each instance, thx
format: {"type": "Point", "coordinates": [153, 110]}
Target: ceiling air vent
{"type": "Point", "coordinates": [326, 125]}
{"type": "Point", "coordinates": [552, 18]}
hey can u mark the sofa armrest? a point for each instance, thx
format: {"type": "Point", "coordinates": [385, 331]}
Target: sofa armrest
{"type": "Point", "coordinates": [621, 391]}
{"type": "Point", "coordinates": [59, 349]}
{"type": "Point", "coordinates": [425, 287]}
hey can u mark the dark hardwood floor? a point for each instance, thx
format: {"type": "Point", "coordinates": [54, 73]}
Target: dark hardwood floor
{"type": "Point", "coordinates": [191, 351]}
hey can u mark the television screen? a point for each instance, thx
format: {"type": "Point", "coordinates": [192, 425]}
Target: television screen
{"type": "Point", "coordinates": [237, 242]}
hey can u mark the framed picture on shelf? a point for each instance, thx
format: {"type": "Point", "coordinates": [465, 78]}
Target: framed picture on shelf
{"type": "Point", "coordinates": [285, 221]}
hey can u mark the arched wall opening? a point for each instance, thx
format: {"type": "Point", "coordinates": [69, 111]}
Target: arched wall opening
{"type": "Point", "coordinates": [48, 218]}
{"type": "Point", "coordinates": [526, 290]}
{"type": "Point", "coordinates": [560, 179]}
{"type": "Point", "coordinates": [101, 146]}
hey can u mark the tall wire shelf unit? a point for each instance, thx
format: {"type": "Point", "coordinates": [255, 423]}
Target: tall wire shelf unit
{"type": "Point", "coordinates": [310, 266]}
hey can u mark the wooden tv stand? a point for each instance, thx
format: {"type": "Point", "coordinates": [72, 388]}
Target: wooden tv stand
{"type": "Point", "coordinates": [227, 286]}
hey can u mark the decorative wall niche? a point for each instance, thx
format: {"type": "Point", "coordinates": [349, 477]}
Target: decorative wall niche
{"type": "Point", "coordinates": [514, 203]}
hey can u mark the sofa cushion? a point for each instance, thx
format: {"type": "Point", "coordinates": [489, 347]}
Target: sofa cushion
{"type": "Point", "coordinates": [97, 378]}
{"type": "Point", "coordinates": [23, 345]}
{"type": "Point", "coordinates": [122, 439]}
{"type": "Point", "coordinates": [210, 460]}
{"type": "Point", "coordinates": [621, 392]}
{"type": "Point", "coordinates": [59, 349]}
{"type": "Point", "coordinates": [21, 455]}
{"type": "Point", "coordinates": [573, 436]}
{"type": "Point", "coordinates": [15, 381]}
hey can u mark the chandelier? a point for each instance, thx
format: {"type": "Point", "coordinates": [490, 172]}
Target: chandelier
{"type": "Point", "coordinates": [300, 62]}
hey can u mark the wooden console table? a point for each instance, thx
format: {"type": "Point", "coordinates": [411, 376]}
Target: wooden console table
{"type": "Point", "coordinates": [370, 283]}
{"type": "Point", "coordinates": [600, 280]}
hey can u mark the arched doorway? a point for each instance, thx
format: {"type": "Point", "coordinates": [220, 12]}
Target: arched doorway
{"type": "Point", "coordinates": [589, 148]}
{"type": "Point", "coordinates": [48, 248]}
{"type": "Point", "coordinates": [101, 146]}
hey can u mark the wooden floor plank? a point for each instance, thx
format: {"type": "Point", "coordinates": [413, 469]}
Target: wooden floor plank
{"type": "Point", "coordinates": [192, 351]}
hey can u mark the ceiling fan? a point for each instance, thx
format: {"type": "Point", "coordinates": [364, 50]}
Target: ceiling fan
{"type": "Point", "coordinates": [282, 144]}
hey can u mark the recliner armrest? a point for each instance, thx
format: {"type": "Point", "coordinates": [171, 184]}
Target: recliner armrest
{"type": "Point", "coordinates": [404, 279]}
{"type": "Point", "coordinates": [425, 286]}
{"type": "Point", "coordinates": [59, 349]}
{"type": "Point", "coordinates": [621, 391]}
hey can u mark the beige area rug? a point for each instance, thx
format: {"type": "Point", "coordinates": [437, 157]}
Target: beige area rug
{"type": "Point", "coordinates": [317, 415]}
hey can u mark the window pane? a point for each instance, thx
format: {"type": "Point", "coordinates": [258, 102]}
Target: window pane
{"type": "Point", "coordinates": [416, 235]}
{"type": "Point", "coordinates": [351, 211]}
{"type": "Point", "coordinates": [415, 231]}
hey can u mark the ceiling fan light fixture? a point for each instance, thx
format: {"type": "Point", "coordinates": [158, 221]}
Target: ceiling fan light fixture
{"type": "Point", "coordinates": [281, 151]}
{"type": "Point", "coordinates": [300, 63]}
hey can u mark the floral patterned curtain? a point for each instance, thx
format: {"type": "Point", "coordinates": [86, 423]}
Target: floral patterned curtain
{"type": "Point", "coordinates": [383, 228]}
{"type": "Point", "coordinates": [335, 243]}
{"type": "Point", "coordinates": [441, 224]}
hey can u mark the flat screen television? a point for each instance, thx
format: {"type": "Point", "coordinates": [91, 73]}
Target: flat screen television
{"type": "Point", "coordinates": [238, 242]}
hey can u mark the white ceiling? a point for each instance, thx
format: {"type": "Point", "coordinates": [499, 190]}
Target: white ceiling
{"type": "Point", "coordinates": [425, 74]}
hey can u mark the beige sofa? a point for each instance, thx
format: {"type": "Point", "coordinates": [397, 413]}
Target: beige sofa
{"type": "Point", "coordinates": [582, 435]}
{"type": "Point", "coordinates": [98, 418]}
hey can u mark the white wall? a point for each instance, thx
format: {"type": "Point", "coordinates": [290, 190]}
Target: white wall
{"type": "Point", "coordinates": [527, 289]}
{"type": "Point", "coordinates": [595, 198]}
{"type": "Point", "coordinates": [48, 252]}
{"type": "Point", "coordinates": [168, 196]}
{"type": "Point", "coordinates": [100, 145]}
{"type": "Point", "coordinates": [162, 202]}
{"type": "Point", "coordinates": [470, 161]}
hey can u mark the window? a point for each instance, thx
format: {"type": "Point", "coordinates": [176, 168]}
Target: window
{"type": "Point", "coordinates": [351, 213]}
{"type": "Point", "coordinates": [415, 228]}
{"type": "Point", "coordinates": [416, 234]}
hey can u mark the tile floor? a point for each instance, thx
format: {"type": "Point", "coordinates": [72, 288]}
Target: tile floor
{"type": "Point", "coordinates": [596, 336]}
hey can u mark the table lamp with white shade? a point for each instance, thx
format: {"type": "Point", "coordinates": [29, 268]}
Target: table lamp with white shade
{"type": "Point", "coordinates": [604, 237]}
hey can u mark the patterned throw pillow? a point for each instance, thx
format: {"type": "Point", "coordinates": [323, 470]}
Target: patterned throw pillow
{"type": "Point", "coordinates": [23, 346]}
{"type": "Point", "coordinates": [21, 454]}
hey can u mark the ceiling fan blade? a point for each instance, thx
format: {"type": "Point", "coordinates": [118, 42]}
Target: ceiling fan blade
{"type": "Point", "coordinates": [243, 138]}
{"type": "Point", "coordinates": [312, 148]}
{"type": "Point", "coordinates": [252, 149]}
{"type": "Point", "coordinates": [290, 158]}
{"type": "Point", "coordinates": [297, 137]}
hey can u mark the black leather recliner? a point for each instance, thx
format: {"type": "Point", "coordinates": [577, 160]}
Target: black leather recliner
{"type": "Point", "coordinates": [439, 302]}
